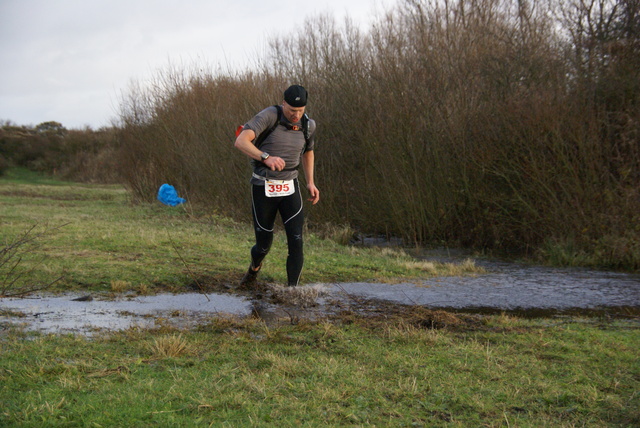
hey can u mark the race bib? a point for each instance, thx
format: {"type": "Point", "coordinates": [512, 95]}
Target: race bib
{"type": "Point", "coordinates": [273, 188]}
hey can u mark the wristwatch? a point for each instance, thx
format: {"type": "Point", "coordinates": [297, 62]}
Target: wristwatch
{"type": "Point", "coordinates": [264, 156]}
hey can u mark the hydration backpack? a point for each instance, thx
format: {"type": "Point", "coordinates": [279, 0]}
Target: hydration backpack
{"type": "Point", "coordinates": [279, 120]}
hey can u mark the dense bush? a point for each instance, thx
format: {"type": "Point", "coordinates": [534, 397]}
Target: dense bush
{"type": "Point", "coordinates": [487, 123]}
{"type": "Point", "coordinates": [4, 164]}
{"type": "Point", "coordinates": [82, 155]}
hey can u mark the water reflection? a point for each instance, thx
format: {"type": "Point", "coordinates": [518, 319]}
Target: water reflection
{"type": "Point", "coordinates": [61, 314]}
{"type": "Point", "coordinates": [513, 287]}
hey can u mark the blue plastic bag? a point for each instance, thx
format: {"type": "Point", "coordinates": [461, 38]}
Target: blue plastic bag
{"type": "Point", "coordinates": [168, 195]}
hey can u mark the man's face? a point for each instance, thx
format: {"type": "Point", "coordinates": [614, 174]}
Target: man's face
{"type": "Point", "coordinates": [293, 114]}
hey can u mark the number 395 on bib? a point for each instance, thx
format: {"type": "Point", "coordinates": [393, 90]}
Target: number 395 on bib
{"type": "Point", "coordinates": [273, 188]}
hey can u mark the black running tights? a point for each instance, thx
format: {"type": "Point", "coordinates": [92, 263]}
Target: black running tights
{"type": "Point", "coordinates": [265, 210]}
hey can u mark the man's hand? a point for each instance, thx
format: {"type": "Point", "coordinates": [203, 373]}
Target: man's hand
{"type": "Point", "coordinates": [245, 145]}
{"type": "Point", "coordinates": [275, 163]}
{"type": "Point", "coordinates": [314, 193]}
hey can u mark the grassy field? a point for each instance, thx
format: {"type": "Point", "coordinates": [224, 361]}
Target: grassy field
{"type": "Point", "coordinates": [95, 238]}
{"type": "Point", "coordinates": [406, 367]}
{"type": "Point", "coordinates": [494, 371]}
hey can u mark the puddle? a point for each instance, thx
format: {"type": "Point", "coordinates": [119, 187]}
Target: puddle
{"type": "Point", "coordinates": [512, 287]}
{"type": "Point", "coordinates": [62, 314]}
{"type": "Point", "coordinates": [507, 287]}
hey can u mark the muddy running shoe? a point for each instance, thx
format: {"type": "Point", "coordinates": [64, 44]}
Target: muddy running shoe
{"type": "Point", "coordinates": [249, 278]}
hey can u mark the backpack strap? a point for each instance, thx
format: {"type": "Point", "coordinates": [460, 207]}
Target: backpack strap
{"type": "Point", "coordinates": [305, 128]}
{"type": "Point", "coordinates": [263, 136]}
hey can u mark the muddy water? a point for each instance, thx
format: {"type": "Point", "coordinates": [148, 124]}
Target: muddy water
{"type": "Point", "coordinates": [507, 287]}
{"type": "Point", "coordinates": [63, 314]}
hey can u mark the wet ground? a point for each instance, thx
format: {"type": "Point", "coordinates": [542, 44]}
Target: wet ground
{"type": "Point", "coordinates": [72, 313]}
{"type": "Point", "coordinates": [507, 287]}
{"type": "Point", "coordinates": [523, 289]}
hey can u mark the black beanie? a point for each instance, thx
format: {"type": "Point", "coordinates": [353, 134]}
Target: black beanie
{"type": "Point", "coordinates": [296, 96]}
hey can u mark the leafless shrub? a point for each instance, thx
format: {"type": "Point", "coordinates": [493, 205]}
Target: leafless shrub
{"type": "Point", "coordinates": [14, 276]}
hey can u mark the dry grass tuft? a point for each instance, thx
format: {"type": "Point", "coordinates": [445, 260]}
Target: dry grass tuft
{"type": "Point", "coordinates": [422, 265]}
{"type": "Point", "coordinates": [467, 267]}
{"type": "Point", "coordinates": [118, 286]}
{"type": "Point", "coordinates": [170, 346]}
{"type": "Point", "coordinates": [341, 234]}
{"type": "Point", "coordinates": [436, 320]}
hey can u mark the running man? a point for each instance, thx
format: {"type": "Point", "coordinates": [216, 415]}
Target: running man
{"type": "Point", "coordinates": [274, 183]}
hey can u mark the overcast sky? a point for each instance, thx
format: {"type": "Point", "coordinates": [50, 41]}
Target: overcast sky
{"type": "Point", "coordinates": [70, 60]}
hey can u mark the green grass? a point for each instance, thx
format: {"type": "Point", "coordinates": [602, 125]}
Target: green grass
{"type": "Point", "coordinates": [389, 369]}
{"type": "Point", "coordinates": [94, 236]}
{"type": "Point", "coordinates": [494, 371]}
